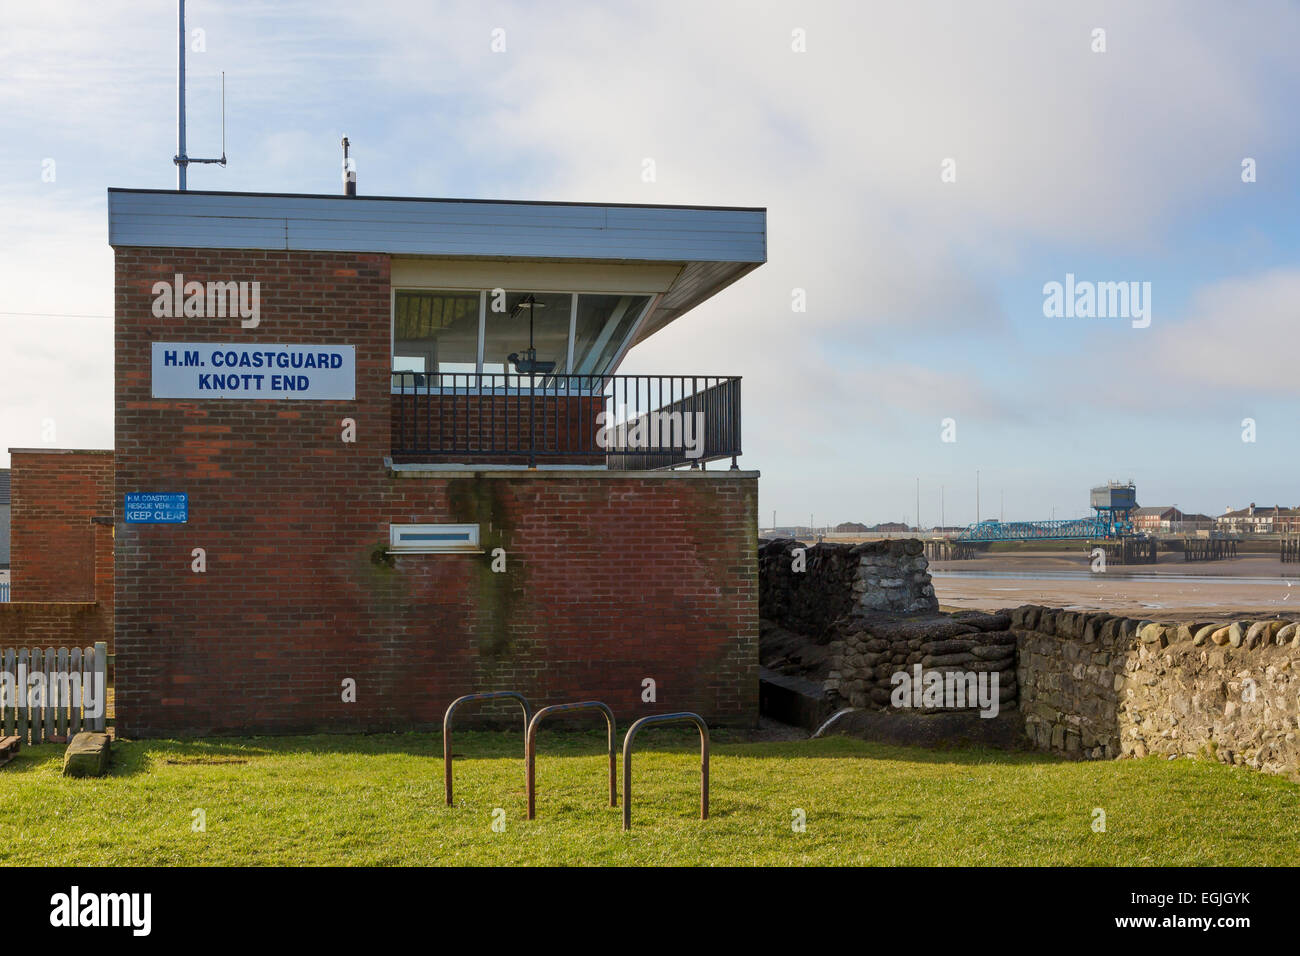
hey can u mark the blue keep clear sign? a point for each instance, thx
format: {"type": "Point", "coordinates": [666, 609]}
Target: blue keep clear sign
{"type": "Point", "coordinates": [157, 508]}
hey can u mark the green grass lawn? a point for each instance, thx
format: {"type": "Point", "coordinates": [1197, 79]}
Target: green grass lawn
{"type": "Point", "coordinates": [377, 800]}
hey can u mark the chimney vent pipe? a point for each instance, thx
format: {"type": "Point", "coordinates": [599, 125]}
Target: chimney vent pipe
{"type": "Point", "coordinates": [349, 172]}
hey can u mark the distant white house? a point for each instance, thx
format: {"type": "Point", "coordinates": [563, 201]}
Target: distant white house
{"type": "Point", "coordinates": [1258, 520]}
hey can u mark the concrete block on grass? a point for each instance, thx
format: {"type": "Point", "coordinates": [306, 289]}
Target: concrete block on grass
{"type": "Point", "coordinates": [87, 755]}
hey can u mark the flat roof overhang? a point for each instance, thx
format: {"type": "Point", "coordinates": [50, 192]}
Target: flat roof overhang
{"type": "Point", "coordinates": [713, 246]}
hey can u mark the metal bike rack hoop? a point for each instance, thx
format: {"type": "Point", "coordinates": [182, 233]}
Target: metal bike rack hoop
{"type": "Point", "coordinates": [446, 727]}
{"type": "Point", "coordinates": [703, 728]}
{"type": "Point", "coordinates": [530, 748]}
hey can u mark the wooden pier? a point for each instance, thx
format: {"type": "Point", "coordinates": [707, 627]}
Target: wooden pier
{"type": "Point", "coordinates": [1209, 549]}
{"type": "Point", "coordinates": [1126, 550]}
{"type": "Point", "coordinates": [939, 549]}
{"type": "Point", "coordinates": [1289, 550]}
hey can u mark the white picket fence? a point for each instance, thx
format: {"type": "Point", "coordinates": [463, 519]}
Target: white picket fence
{"type": "Point", "coordinates": [49, 694]}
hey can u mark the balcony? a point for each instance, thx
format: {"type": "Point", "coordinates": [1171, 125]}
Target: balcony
{"type": "Point", "coordinates": [619, 422]}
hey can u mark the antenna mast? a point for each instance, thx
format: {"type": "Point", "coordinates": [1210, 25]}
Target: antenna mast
{"type": "Point", "coordinates": [180, 159]}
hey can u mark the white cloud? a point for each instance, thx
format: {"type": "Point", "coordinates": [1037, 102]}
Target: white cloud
{"type": "Point", "coordinates": [1239, 338]}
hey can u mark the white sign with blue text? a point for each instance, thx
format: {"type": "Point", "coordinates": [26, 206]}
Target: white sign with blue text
{"type": "Point", "coordinates": [226, 370]}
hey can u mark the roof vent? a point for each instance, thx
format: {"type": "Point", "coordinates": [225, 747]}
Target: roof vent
{"type": "Point", "coordinates": [349, 172]}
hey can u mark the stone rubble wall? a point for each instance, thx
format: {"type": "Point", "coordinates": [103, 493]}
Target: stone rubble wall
{"type": "Point", "coordinates": [1071, 673]}
{"type": "Point", "coordinates": [1095, 685]}
{"type": "Point", "coordinates": [888, 576]}
{"type": "Point", "coordinates": [1085, 684]}
{"type": "Point", "coordinates": [872, 648]}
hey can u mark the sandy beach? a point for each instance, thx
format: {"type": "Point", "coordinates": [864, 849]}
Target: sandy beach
{"type": "Point", "coordinates": [1173, 589]}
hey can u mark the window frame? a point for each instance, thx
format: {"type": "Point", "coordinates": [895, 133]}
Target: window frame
{"type": "Point", "coordinates": [470, 546]}
{"type": "Point", "coordinates": [652, 299]}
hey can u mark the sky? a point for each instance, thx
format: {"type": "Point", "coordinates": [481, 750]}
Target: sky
{"type": "Point", "coordinates": [928, 169]}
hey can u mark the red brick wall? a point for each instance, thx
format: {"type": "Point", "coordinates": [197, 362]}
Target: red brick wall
{"type": "Point", "coordinates": [47, 624]}
{"type": "Point", "coordinates": [61, 558]}
{"type": "Point", "coordinates": [609, 580]}
{"type": "Point", "coordinates": [55, 494]}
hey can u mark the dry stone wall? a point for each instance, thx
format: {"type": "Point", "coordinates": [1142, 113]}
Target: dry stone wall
{"type": "Point", "coordinates": [1082, 684]}
{"type": "Point", "coordinates": [874, 648]}
{"type": "Point", "coordinates": [1094, 685]}
{"type": "Point", "coordinates": [836, 579]}
{"type": "Point", "coordinates": [1071, 672]}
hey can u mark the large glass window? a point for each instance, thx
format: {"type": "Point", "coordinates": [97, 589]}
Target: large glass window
{"type": "Point", "coordinates": [466, 332]}
{"type": "Point", "coordinates": [542, 317]}
{"type": "Point", "coordinates": [436, 332]}
{"type": "Point", "coordinates": [603, 322]}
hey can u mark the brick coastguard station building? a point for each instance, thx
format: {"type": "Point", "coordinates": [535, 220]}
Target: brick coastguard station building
{"type": "Point", "coordinates": [408, 460]}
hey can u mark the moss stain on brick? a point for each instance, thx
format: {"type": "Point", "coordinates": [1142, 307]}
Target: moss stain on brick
{"type": "Point", "coordinates": [481, 501]}
{"type": "Point", "coordinates": [698, 515]}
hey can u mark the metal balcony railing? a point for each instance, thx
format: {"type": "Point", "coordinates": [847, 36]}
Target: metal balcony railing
{"type": "Point", "coordinates": [624, 422]}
